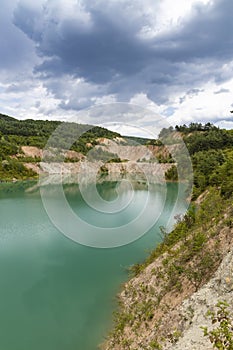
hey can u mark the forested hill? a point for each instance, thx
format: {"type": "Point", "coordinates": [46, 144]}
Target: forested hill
{"type": "Point", "coordinates": [6, 117]}
{"type": "Point", "coordinates": [39, 130]}
{"type": "Point", "coordinates": [16, 133]}
{"type": "Point", "coordinates": [211, 152]}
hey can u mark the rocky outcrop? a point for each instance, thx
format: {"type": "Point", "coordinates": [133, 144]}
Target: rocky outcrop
{"type": "Point", "coordinates": [31, 151]}
{"type": "Point", "coordinates": [150, 172]}
{"type": "Point", "coordinates": [126, 152]}
{"type": "Point", "coordinates": [194, 309]}
{"type": "Point", "coordinates": [35, 152]}
{"type": "Point", "coordinates": [141, 160]}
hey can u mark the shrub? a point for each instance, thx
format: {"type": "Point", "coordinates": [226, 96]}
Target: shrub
{"type": "Point", "coordinates": [221, 336]}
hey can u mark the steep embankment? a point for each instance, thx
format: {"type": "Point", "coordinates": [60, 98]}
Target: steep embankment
{"type": "Point", "coordinates": [194, 310]}
{"type": "Point", "coordinates": [165, 304]}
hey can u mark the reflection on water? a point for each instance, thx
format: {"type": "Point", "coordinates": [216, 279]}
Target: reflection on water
{"type": "Point", "coordinates": [56, 294]}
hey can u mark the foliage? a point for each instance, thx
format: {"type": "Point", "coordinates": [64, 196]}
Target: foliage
{"type": "Point", "coordinates": [154, 142]}
{"type": "Point", "coordinates": [16, 133]}
{"type": "Point", "coordinates": [37, 132]}
{"type": "Point", "coordinates": [204, 164]}
{"type": "Point", "coordinates": [198, 137]}
{"type": "Point", "coordinates": [209, 149]}
{"type": "Point", "coordinates": [195, 127]}
{"type": "Point", "coordinates": [134, 141]}
{"type": "Point", "coordinates": [211, 139]}
{"type": "Point", "coordinates": [7, 148]}
{"type": "Point", "coordinates": [172, 174]}
{"type": "Point", "coordinates": [117, 160]}
{"type": "Point", "coordinates": [11, 168]}
{"type": "Point", "coordinates": [164, 158]}
{"type": "Point", "coordinates": [221, 336]}
{"type": "Point", "coordinates": [223, 176]}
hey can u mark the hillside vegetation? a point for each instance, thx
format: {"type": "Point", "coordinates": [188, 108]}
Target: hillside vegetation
{"type": "Point", "coordinates": [17, 133]}
{"type": "Point", "coordinates": [211, 152]}
{"type": "Point", "coordinates": [151, 313]}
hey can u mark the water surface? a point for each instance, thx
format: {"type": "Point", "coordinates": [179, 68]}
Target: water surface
{"type": "Point", "coordinates": [56, 294]}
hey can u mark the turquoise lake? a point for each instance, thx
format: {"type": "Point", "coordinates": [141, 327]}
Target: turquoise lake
{"type": "Point", "coordinates": [56, 294]}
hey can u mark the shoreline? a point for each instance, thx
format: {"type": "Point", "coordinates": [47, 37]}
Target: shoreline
{"type": "Point", "coordinates": [168, 294]}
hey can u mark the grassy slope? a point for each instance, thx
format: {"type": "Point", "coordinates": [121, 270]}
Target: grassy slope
{"type": "Point", "coordinates": [178, 267]}
{"type": "Point", "coordinates": [148, 313]}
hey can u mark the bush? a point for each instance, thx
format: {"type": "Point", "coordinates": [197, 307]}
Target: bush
{"type": "Point", "coordinates": [221, 336]}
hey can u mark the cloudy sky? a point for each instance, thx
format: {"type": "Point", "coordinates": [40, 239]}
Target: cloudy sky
{"type": "Point", "coordinates": [59, 57]}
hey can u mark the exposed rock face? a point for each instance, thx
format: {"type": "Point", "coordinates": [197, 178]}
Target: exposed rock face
{"type": "Point", "coordinates": [151, 172]}
{"type": "Point", "coordinates": [194, 309]}
{"type": "Point", "coordinates": [31, 151]}
{"type": "Point", "coordinates": [74, 155]}
{"type": "Point", "coordinates": [133, 153]}
{"type": "Point", "coordinates": [135, 160]}
{"type": "Point", "coordinates": [191, 313]}
{"type": "Point", "coordinates": [60, 167]}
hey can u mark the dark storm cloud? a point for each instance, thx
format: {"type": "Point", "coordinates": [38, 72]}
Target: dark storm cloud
{"type": "Point", "coordinates": [16, 48]}
{"type": "Point", "coordinates": [109, 51]}
{"type": "Point", "coordinates": [207, 34]}
{"type": "Point", "coordinates": [97, 53]}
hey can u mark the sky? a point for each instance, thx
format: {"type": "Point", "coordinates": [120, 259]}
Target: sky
{"type": "Point", "coordinates": [60, 58]}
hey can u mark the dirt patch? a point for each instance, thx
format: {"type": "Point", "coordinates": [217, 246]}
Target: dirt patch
{"type": "Point", "coordinates": [31, 151]}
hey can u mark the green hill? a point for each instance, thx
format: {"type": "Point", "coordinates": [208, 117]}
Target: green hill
{"type": "Point", "coordinates": [16, 133]}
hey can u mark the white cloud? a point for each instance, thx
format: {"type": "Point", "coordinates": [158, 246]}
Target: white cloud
{"type": "Point", "coordinates": [173, 58]}
{"type": "Point", "coordinates": [168, 15]}
{"type": "Point", "coordinates": [31, 101]}
{"type": "Point", "coordinates": [129, 130]}
{"type": "Point", "coordinates": [206, 105]}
